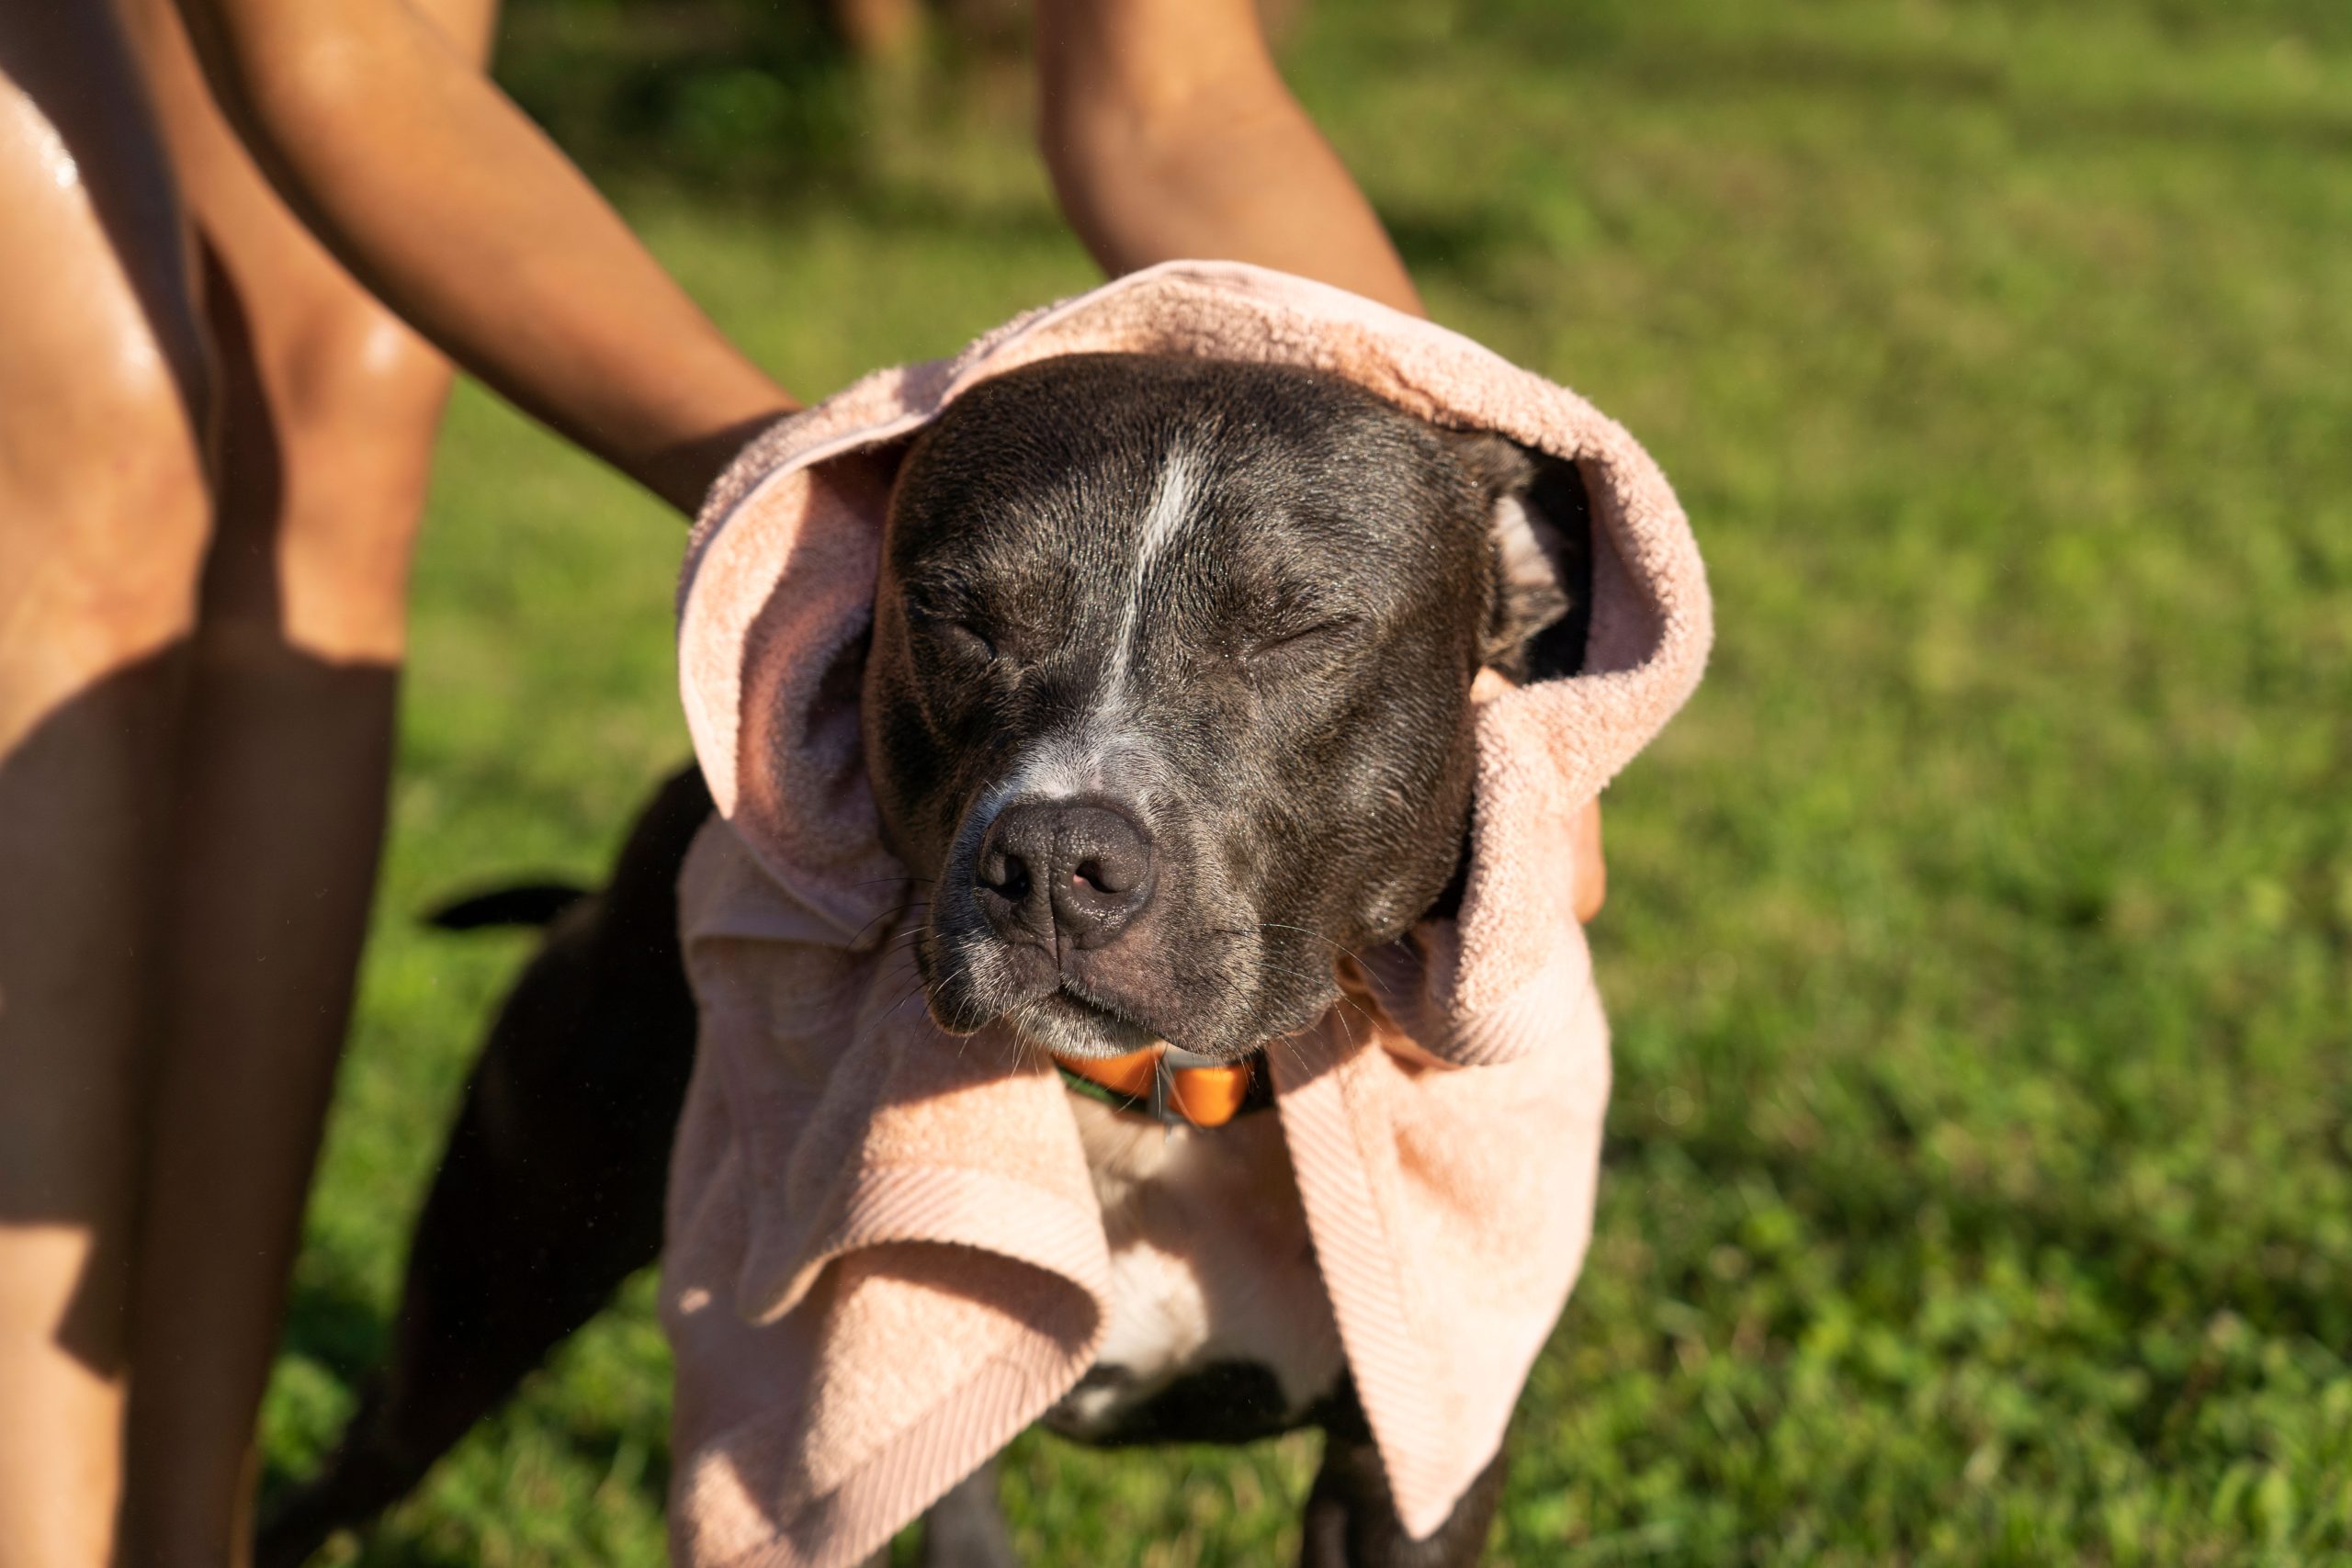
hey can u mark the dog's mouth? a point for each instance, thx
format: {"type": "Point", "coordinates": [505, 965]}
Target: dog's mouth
{"type": "Point", "coordinates": [1061, 1014]}
{"type": "Point", "coordinates": [1208, 994]}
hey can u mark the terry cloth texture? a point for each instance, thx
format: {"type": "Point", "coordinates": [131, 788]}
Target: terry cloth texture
{"type": "Point", "coordinates": [885, 1257]}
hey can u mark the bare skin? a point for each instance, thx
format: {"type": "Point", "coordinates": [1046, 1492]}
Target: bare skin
{"type": "Point", "coordinates": [1168, 133]}
{"type": "Point", "coordinates": [209, 471]}
{"type": "Point", "coordinates": [102, 523]}
{"type": "Point", "coordinates": [367, 115]}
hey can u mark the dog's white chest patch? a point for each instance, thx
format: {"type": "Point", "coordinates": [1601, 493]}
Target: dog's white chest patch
{"type": "Point", "coordinates": [1211, 1264]}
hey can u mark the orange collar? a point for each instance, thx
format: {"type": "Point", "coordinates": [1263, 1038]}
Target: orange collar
{"type": "Point", "coordinates": [1156, 1082]}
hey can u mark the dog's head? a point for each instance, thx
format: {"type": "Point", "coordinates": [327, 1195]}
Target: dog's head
{"type": "Point", "coordinates": [1168, 698]}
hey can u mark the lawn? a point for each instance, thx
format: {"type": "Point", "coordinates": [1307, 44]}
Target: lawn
{"type": "Point", "coordinates": [1979, 1184]}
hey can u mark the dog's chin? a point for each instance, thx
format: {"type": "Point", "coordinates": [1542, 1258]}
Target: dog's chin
{"type": "Point", "coordinates": [1062, 1017]}
{"type": "Point", "coordinates": [1066, 1025]}
{"type": "Point", "coordinates": [1059, 1021]}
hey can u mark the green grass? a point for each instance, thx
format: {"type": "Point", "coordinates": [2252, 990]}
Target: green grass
{"type": "Point", "coordinates": [1979, 1184]}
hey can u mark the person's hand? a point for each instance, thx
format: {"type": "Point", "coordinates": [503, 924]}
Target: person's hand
{"type": "Point", "coordinates": [1591, 870]}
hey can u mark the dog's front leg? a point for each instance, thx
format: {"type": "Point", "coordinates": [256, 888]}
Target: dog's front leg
{"type": "Point", "coordinates": [1351, 1518]}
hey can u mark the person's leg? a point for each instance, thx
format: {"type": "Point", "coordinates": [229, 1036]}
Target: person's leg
{"type": "Point", "coordinates": [330, 407]}
{"type": "Point", "coordinates": [103, 518]}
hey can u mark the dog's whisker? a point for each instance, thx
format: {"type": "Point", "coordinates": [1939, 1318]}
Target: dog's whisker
{"type": "Point", "coordinates": [1340, 998]}
{"type": "Point", "coordinates": [910, 994]}
{"type": "Point", "coordinates": [1278, 926]}
{"type": "Point", "coordinates": [1024, 1048]}
{"type": "Point", "coordinates": [899, 911]}
{"type": "Point", "coordinates": [1352, 1042]}
{"type": "Point", "coordinates": [1298, 1056]}
{"type": "Point", "coordinates": [859, 935]}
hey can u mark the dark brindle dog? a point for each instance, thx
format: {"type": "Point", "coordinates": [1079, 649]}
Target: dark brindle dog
{"type": "Point", "coordinates": [1167, 698]}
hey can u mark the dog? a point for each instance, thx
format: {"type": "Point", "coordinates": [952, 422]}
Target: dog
{"type": "Point", "coordinates": [1166, 707]}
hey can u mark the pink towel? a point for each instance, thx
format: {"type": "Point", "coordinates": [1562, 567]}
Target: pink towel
{"type": "Point", "coordinates": [885, 1257]}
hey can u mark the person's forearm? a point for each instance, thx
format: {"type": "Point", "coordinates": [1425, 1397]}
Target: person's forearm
{"type": "Point", "coordinates": [1170, 134]}
{"type": "Point", "coordinates": [445, 200]}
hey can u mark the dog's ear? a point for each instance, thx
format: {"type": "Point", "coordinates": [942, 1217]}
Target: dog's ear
{"type": "Point", "coordinates": [1542, 533]}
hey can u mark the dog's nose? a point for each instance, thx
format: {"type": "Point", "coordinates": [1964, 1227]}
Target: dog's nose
{"type": "Point", "coordinates": [1085, 868]}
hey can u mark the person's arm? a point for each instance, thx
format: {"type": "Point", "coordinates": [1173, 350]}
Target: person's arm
{"type": "Point", "coordinates": [1170, 134]}
{"type": "Point", "coordinates": [443, 197]}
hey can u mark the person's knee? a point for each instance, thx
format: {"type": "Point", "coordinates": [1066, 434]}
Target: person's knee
{"type": "Point", "coordinates": [356, 400]}
{"type": "Point", "coordinates": [345, 369]}
{"type": "Point", "coordinates": [104, 515]}
{"type": "Point", "coordinates": [104, 505]}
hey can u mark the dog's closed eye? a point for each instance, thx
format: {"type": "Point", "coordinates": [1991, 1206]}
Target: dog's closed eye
{"type": "Point", "coordinates": [1319, 640]}
{"type": "Point", "coordinates": [968, 641]}
{"type": "Point", "coordinates": [957, 637]}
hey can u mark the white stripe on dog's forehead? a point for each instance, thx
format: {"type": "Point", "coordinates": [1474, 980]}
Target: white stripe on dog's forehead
{"type": "Point", "coordinates": [1102, 753]}
{"type": "Point", "coordinates": [1171, 507]}
{"type": "Point", "coordinates": [1173, 502]}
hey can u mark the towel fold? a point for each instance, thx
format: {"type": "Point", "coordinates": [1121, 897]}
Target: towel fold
{"type": "Point", "coordinates": [885, 1256]}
